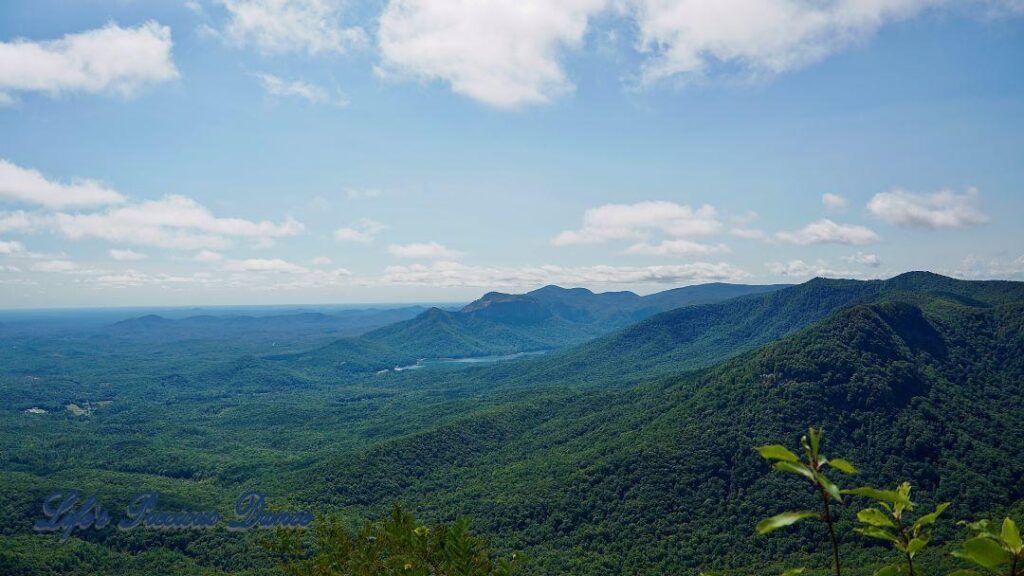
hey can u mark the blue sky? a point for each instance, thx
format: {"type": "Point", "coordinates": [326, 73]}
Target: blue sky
{"type": "Point", "coordinates": [315, 151]}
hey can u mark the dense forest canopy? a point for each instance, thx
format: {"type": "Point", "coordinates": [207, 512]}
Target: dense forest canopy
{"type": "Point", "coordinates": [627, 450]}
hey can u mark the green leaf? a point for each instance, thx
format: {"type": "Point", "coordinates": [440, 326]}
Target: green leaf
{"type": "Point", "coordinates": [904, 500]}
{"type": "Point", "coordinates": [984, 552]}
{"type": "Point", "coordinates": [875, 517]}
{"type": "Point", "coordinates": [793, 572]}
{"type": "Point", "coordinates": [965, 573]}
{"type": "Point", "coordinates": [795, 469]}
{"type": "Point", "coordinates": [815, 440]}
{"type": "Point", "coordinates": [1011, 536]}
{"type": "Point", "coordinates": [777, 452]}
{"type": "Point", "coordinates": [916, 545]}
{"type": "Point", "coordinates": [781, 520]}
{"type": "Point", "coordinates": [890, 496]}
{"type": "Point", "coordinates": [880, 533]}
{"type": "Point", "coordinates": [843, 466]}
{"type": "Point", "coordinates": [982, 527]}
{"type": "Point", "coordinates": [929, 519]}
{"type": "Point", "coordinates": [831, 488]}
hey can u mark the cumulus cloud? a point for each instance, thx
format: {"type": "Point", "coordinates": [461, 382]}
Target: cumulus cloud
{"type": "Point", "coordinates": [361, 193]}
{"type": "Point", "coordinates": [801, 269]}
{"type": "Point", "coordinates": [453, 274]}
{"type": "Point", "coordinates": [55, 266]}
{"type": "Point", "coordinates": [21, 221]}
{"type": "Point", "coordinates": [677, 248]}
{"type": "Point", "coordinates": [31, 187]}
{"type": "Point", "coordinates": [126, 255]}
{"type": "Point", "coordinates": [134, 278]}
{"type": "Point", "coordinates": [208, 256]}
{"type": "Point", "coordinates": [282, 26]}
{"type": "Point", "coordinates": [364, 231]}
{"type": "Point", "coordinates": [750, 234]}
{"type": "Point", "coordinates": [276, 86]}
{"type": "Point", "coordinates": [504, 53]}
{"type": "Point", "coordinates": [944, 209]}
{"type": "Point", "coordinates": [826, 231]}
{"type": "Point", "coordinates": [171, 222]}
{"type": "Point", "coordinates": [280, 88]}
{"type": "Point", "coordinates": [688, 37]}
{"type": "Point", "coordinates": [863, 259]}
{"type": "Point", "coordinates": [423, 251]}
{"type": "Point", "coordinates": [11, 247]}
{"type": "Point", "coordinates": [109, 59]}
{"type": "Point", "coordinates": [272, 265]}
{"type": "Point", "coordinates": [981, 268]}
{"type": "Point", "coordinates": [637, 221]}
{"type": "Point", "coordinates": [833, 201]}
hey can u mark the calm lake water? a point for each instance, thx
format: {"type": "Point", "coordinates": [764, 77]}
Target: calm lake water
{"type": "Point", "coordinates": [428, 362]}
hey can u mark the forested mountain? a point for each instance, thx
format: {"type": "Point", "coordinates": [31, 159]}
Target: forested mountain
{"type": "Point", "coordinates": [210, 327]}
{"type": "Point", "coordinates": [914, 378]}
{"type": "Point", "coordinates": [546, 318]}
{"type": "Point", "coordinates": [662, 478]}
{"type": "Point", "coordinates": [698, 336]}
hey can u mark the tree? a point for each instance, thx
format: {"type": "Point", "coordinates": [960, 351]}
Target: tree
{"type": "Point", "coordinates": [396, 545]}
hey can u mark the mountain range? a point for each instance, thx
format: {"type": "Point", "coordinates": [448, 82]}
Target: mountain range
{"type": "Point", "coordinates": [625, 449]}
{"type": "Point", "coordinates": [497, 323]}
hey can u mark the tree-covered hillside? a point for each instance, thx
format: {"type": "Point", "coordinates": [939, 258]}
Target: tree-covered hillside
{"type": "Point", "coordinates": [546, 318]}
{"type": "Point", "coordinates": [698, 336]}
{"type": "Point", "coordinates": [916, 378]}
{"type": "Point", "coordinates": [662, 478]}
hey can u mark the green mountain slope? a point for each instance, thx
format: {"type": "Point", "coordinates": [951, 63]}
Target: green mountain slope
{"type": "Point", "coordinates": [699, 336]}
{"type": "Point", "coordinates": [547, 318]}
{"type": "Point", "coordinates": [662, 478]}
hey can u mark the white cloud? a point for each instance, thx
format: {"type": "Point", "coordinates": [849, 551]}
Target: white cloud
{"type": "Point", "coordinates": [636, 221]}
{"type": "Point", "coordinates": [31, 187]}
{"type": "Point", "coordinates": [320, 261]}
{"type": "Point", "coordinates": [276, 86]}
{"type": "Point", "coordinates": [126, 255]}
{"type": "Point", "coordinates": [744, 219]}
{"type": "Point", "coordinates": [361, 193]}
{"type": "Point", "coordinates": [55, 266]}
{"type": "Point", "coordinates": [826, 231]}
{"type": "Point", "coordinates": [677, 248]}
{"type": "Point", "coordinates": [208, 256]}
{"type": "Point", "coordinates": [134, 278]}
{"type": "Point", "coordinates": [281, 26]}
{"type": "Point", "coordinates": [279, 87]}
{"type": "Point", "coordinates": [171, 222]}
{"type": "Point", "coordinates": [21, 221]}
{"type": "Point", "coordinates": [504, 53]}
{"type": "Point", "coordinates": [365, 230]}
{"type": "Point", "coordinates": [801, 269]}
{"type": "Point", "coordinates": [750, 234]}
{"type": "Point", "coordinates": [108, 59]}
{"type": "Point", "coordinates": [944, 209]}
{"type": "Point", "coordinates": [978, 268]}
{"type": "Point", "coordinates": [11, 247]}
{"type": "Point", "coordinates": [759, 37]}
{"type": "Point", "coordinates": [423, 251]}
{"type": "Point", "coordinates": [863, 259]}
{"type": "Point", "coordinates": [453, 274]}
{"type": "Point", "coordinates": [263, 265]}
{"type": "Point", "coordinates": [833, 201]}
